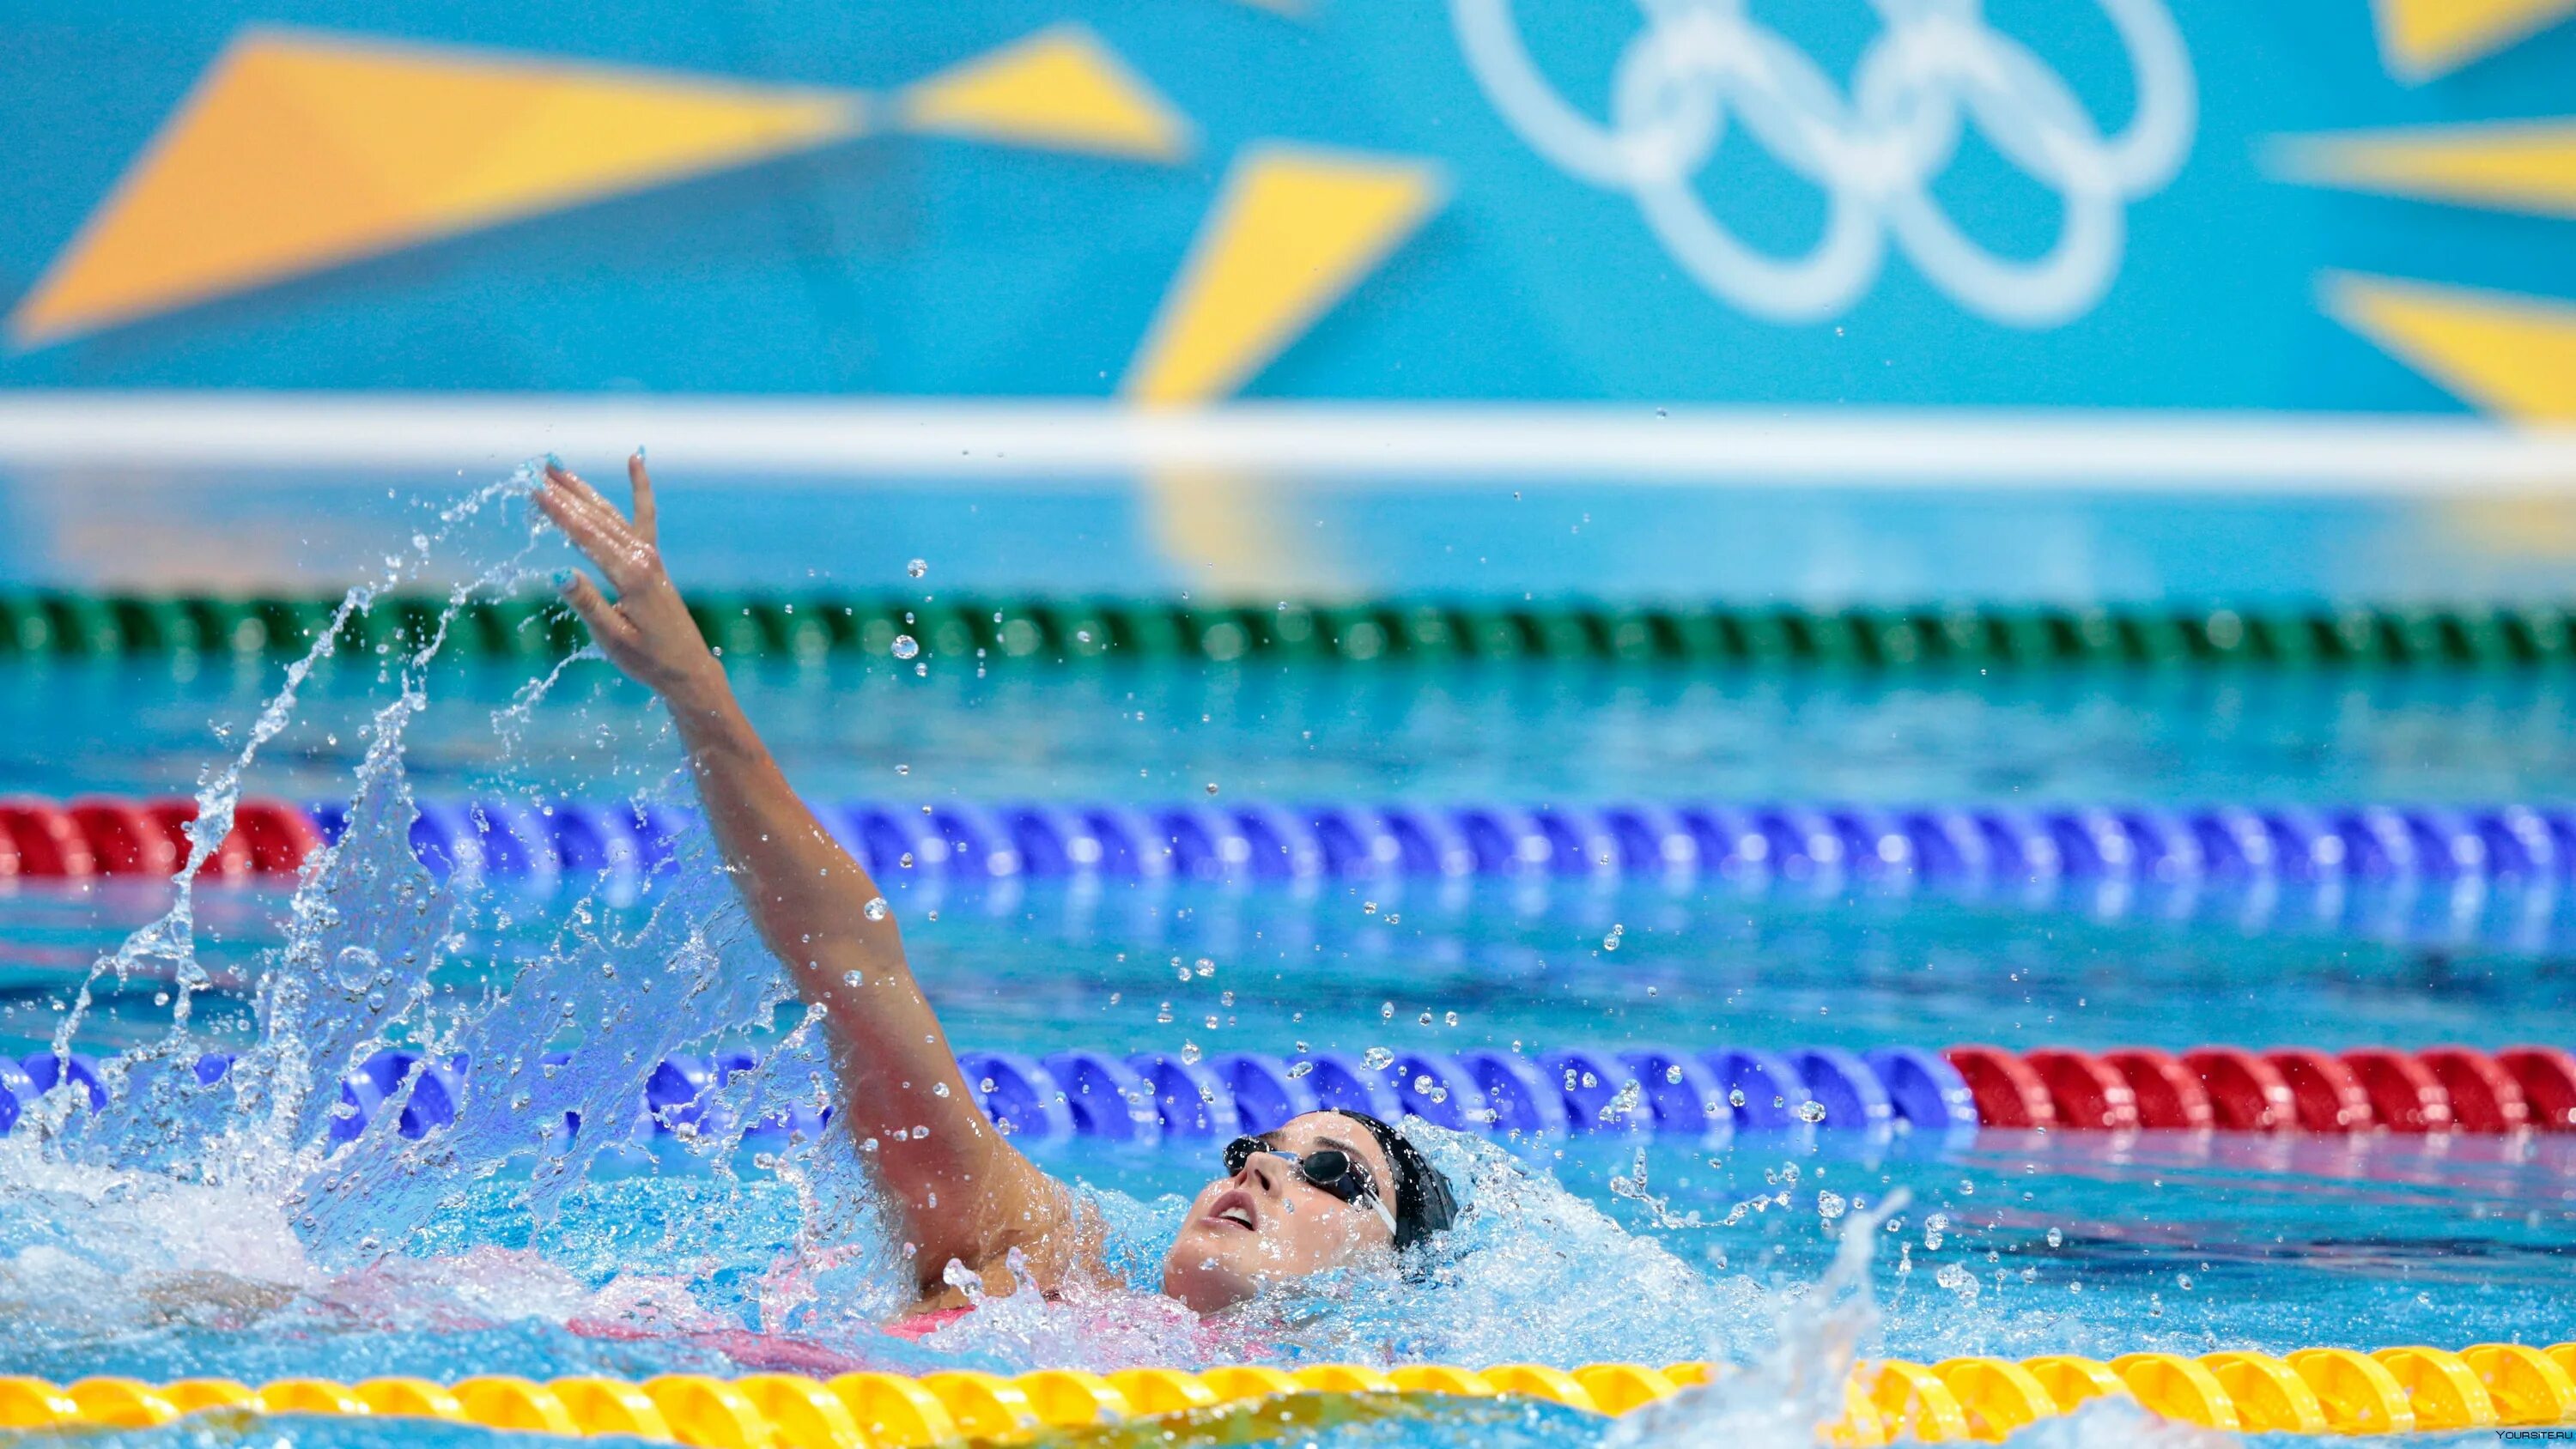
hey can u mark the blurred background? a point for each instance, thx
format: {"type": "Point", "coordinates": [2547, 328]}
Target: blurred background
{"type": "Point", "coordinates": [2122, 301]}
{"type": "Point", "coordinates": [2076, 500]}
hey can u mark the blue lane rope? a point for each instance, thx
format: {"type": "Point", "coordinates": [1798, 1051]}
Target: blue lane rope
{"type": "Point", "coordinates": [1700, 1094]}
{"type": "Point", "coordinates": [1956, 845]}
{"type": "Point", "coordinates": [1150, 1097]}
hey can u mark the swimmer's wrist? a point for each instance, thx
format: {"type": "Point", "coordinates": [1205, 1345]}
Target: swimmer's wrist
{"type": "Point", "coordinates": [701, 694]}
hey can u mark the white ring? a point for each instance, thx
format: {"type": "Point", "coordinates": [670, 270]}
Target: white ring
{"type": "Point", "coordinates": [1701, 67]}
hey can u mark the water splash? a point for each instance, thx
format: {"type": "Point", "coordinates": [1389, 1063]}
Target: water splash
{"type": "Point", "coordinates": [1788, 1394]}
{"type": "Point", "coordinates": [219, 1196]}
{"type": "Point", "coordinates": [204, 1225]}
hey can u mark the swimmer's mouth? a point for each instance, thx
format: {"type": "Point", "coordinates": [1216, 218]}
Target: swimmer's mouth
{"type": "Point", "coordinates": [1234, 1209]}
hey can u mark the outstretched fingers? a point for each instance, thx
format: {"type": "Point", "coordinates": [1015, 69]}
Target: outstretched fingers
{"type": "Point", "coordinates": [597, 538]}
{"type": "Point", "coordinates": [596, 528]}
{"type": "Point", "coordinates": [647, 518]}
{"type": "Point", "coordinates": [578, 486]}
{"type": "Point", "coordinates": [608, 625]}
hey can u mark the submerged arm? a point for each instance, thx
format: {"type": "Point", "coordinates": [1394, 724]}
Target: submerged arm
{"type": "Point", "coordinates": [967, 1193]}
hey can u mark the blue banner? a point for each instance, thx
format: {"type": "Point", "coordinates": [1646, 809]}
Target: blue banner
{"type": "Point", "coordinates": [2300, 204]}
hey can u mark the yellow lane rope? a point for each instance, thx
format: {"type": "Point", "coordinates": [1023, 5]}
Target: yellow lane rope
{"type": "Point", "coordinates": [2315, 1391]}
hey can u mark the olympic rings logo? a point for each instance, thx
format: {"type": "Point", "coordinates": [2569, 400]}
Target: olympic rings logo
{"type": "Point", "coordinates": [1703, 66]}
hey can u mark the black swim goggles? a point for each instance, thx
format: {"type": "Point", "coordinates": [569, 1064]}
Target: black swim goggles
{"type": "Point", "coordinates": [1330, 1168]}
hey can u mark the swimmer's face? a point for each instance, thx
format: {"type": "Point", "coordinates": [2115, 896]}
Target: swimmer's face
{"type": "Point", "coordinates": [1268, 1223]}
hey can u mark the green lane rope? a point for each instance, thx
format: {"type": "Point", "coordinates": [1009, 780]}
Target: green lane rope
{"type": "Point", "coordinates": [65, 624]}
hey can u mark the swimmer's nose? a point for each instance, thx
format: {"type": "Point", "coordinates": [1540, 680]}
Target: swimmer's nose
{"type": "Point", "coordinates": [1262, 1171]}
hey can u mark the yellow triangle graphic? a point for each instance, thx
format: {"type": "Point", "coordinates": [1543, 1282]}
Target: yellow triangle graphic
{"type": "Point", "coordinates": [297, 152]}
{"type": "Point", "coordinates": [1060, 89]}
{"type": "Point", "coordinates": [2525, 166]}
{"type": "Point", "coordinates": [2422, 39]}
{"type": "Point", "coordinates": [2507, 354]}
{"type": "Point", "coordinates": [1293, 232]}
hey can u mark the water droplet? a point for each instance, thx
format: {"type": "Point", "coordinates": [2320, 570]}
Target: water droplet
{"type": "Point", "coordinates": [1376, 1058]}
{"type": "Point", "coordinates": [1610, 942]}
{"type": "Point", "coordinates": [1673, 1074]}
{"type": "Point", "coordinates": [1205, 966]}
{"type": "Point", "coordinates": [875, 909]}
{"type": "Point", "coordinates": [1423, 1020]}
{"type": "Point", "coordinates": [1622, 1102]}
{"type": "Point", "coordinates": [1735, 1097]}
{"type": "Point", "coordinates": [917, 567]}
{"type": "Point", "coordinates": [905, 646]}
{"type": "Point", "coordinates": [1299, 1069]}
{"type": "Point", "coordinates": [1368, 908]}
{"type": "Point", "coordinates": [1829, 1205]}
{"type": "Point", "coordinates": [1189, 1052]}
{"type": "Point", "coordinates": [903, 769]}
{"type": "Point", "coordinates": [939, 1089]}
{"type": "Point", "coordinates": [1211, 787]}
{"type": "Point", "coordinates": [1164, 1016]}
{"type": "Point", "coordinates": [1811, 1110]}
{"type": "Point", "coordinates": [354, 967]}
{"type": "Point", "coordinates": [853, 978]}
{"type": "Point", "coordinates": [2056, 1239]}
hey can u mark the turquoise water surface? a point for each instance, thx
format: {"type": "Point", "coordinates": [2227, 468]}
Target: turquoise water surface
{"type": "Point", "coordinates": [187, 1229]}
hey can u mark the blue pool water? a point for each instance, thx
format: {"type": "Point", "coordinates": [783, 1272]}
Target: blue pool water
{"type": "Point", "coordinates": [186, 1231]}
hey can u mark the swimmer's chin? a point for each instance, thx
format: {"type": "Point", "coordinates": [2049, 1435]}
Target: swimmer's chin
{"type": "Point", "coordinates": [1216, 1272]}
{"type": "Point", "coordinates": [1204, 1282]}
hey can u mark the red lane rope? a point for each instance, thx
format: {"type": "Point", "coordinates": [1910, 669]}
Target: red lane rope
{"type": "Point", "coordinates": [2284, 1089]}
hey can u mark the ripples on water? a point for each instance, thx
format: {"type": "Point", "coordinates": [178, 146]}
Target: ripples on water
{"type": "Point", "coordinates": [210, 1228]}
{"type": "Point", "coordinates": [192, 1227]}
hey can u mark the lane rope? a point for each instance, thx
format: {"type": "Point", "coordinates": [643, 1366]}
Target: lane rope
{"type": "Point", "coordinates": [2395, 1390]}
{"type": "Point", "coordinates": [1971, 847]}
{"type": "Point", "coordinates": [1146, 1098]}
{"type": "Point", "coordinates": [816, 626]}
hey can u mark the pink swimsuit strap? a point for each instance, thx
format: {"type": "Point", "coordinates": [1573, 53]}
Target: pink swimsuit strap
{"type": "Point", "coordinates": [922, 1325]}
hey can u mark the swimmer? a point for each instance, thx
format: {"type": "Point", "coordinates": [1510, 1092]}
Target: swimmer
{"type": "Point", "coordinates": [1326, 1190]}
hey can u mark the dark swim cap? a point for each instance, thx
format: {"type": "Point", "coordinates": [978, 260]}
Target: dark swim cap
{"type": "Point", "coordinates": [1423, 1204]}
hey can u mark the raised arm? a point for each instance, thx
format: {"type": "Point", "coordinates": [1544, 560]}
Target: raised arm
{"type": "Point", "coordinates": [968, 1194]}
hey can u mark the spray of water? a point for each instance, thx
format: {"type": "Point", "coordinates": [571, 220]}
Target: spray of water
{"type": "Point", "coordinates": [212, 1205]}
{"type": "Point", "coordinates": [223, 1195]}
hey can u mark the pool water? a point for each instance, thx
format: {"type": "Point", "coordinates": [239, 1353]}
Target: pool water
{"type": "Point", "coordinates": [207, 1230]}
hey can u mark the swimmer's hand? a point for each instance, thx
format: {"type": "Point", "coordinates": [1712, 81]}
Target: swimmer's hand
{"type": "Point", "coordinates": [645, 630]}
